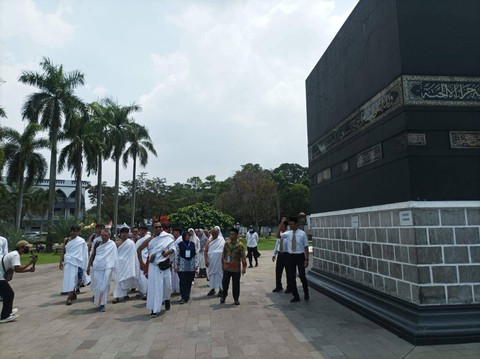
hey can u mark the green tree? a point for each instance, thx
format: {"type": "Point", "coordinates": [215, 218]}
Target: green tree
{"type": "Point", "coordinates": [140, 144]}
{"type": "Point", "coordinates": [84, 143]}
{"type": "Point", "coordinates": [291, 178]}
{"type": "Point", "coordinates": [99, 118]}
{"type": "Point", "coordinates": [118, 132]}
{"type": "Point", "coordinates": [55, 103]}
{"type": "Point", "coordinates": [39, 205]}
{"type": "Point", "coordinates": [251, 198]}
{"type": "Point", "coordinates": [296, 199]}
{"type": "Point", "coordinates": [25, 166]}
{"type": "Point", "coordinates": [201, 215]}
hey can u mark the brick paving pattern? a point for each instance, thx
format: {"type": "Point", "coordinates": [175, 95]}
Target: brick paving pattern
{"type": "Point", "coordinates": [265, 325]}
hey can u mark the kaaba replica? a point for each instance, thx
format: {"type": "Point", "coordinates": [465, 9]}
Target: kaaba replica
{"type": "Point", "coordinates": [393, 114]}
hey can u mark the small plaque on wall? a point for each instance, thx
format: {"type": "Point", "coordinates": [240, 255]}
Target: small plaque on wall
{"type": "Point", "coordinates": [354, 221]}
{"type": "Point", "coordinates": [406, 218]}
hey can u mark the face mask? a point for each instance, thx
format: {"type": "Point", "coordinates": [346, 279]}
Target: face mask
{"type": "Point", "coordinates": [26, 250]}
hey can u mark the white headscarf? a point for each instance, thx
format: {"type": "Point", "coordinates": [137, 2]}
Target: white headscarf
{"type": "Point", "coordinates": [220, 235]}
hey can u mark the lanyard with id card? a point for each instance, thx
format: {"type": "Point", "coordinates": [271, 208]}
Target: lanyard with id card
{"type": "Point", "coordinates": [188, 253]}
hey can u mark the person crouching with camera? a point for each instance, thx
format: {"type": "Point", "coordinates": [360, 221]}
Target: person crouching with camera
{"type": "Point", "coordinates": [11, 264]}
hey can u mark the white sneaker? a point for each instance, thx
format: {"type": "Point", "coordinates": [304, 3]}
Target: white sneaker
{"type": "Point", "coordinates": [14, 311]}
{"type": "Point", "coordinates": [9, 319]}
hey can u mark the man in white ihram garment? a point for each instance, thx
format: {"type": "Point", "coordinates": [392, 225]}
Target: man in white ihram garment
{"type": "Point", "coordinates": [102, 263]}
{"type": "Point", "coordinates": [3, 246]}
{"type": "Point", "coordinates": [142, 281]}
{"type": "Point", "coordinates": [74, 256]}
{"type": "Point", "coordinates": [160, 249]}
{"type": "Point", "coordinates": [125, 269]}
{"type": "Point", "coordinates": [213, 260]}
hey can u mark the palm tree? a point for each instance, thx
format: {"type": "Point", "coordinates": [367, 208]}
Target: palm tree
{"type": "Point", "coordinates": [140, 144]}
{"type": "Point", "coordinates": [25, 167]}
{"type": "Point", "coordinates": [39, 204]}
{"type": "Point", "coordinates": [99, 118]}
{"type": "Point", "coordinates": [118, 134]}
{"type": "Point", "coordinates": [54, 103]}
{"type": "Point", "coordinates": [84, 143]}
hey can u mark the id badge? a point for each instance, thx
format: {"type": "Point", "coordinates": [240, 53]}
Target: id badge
{"type": "Point", "coordinates": [187, 253]}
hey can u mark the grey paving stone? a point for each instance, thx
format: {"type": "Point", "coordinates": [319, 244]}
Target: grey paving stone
{"type": "Point", "coordinates": [200, 329]}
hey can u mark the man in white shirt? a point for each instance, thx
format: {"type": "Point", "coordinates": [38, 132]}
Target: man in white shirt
{"type": "Point", "coordinates": [280, 254]}
{"type": "Point", "coordinates": [252, 244]}
{"type": "Point", "coordinates": [297, 248]}
{"type": "Point", "coordinates": [11, 261]}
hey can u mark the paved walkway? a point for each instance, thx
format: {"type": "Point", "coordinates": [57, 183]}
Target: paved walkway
{"type": "Point", "coordinates": [265, 325]}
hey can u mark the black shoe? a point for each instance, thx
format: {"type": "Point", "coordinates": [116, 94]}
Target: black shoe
{"type": "Point", "coordinates": [222, 300]}
{"type": "Point", "coordinates": [294, 300]}
{"type": "Point", "coordinates": [153, 315]}
{"type": "Point", "coordinates": [167, 305]}
{"type": "Point", "coordinates": [306, 296]}
{"type": "Point", "coordinates": [288, 291]}
{"type": "Point", "coordinates": [126, 298]}
{"type": "Point", "coordinates": [259, 254]}
{"type": "Point", "coordinates": [183, 301]}
{"type": "Point", "coordinates": [237, 302]}
{"type": "Point", "coordinates": [212, 292]}
{"type": "Point", "coordinates": [220, 293]}
{"type": "Point", "coordinates": [250, 266]}
{"type": "Point", "coordinates": [256, 264]}
{"type": "Point", "coordinates": [276, 290]}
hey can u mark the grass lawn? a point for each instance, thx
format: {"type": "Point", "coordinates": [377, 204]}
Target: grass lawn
{"type": "Point", "coordinates": [43, 258]}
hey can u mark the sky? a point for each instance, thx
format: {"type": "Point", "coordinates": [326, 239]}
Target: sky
{"type": "Point", "coordinates": [220, 83]}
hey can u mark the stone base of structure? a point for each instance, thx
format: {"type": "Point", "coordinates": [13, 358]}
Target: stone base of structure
{"type": "Point", "coordinates": [419, 325]}
{"type": "Point", "coordinates": [413, 267]}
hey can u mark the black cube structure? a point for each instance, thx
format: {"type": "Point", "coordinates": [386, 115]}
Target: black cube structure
{"type": "Point", "coordinates": [393, 114]}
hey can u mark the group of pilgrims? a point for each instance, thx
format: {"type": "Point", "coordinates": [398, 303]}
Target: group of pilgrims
{"type": "Point", "coordinates": [159, 264]}
{"type": "Point", "coordinates": [152, 265]}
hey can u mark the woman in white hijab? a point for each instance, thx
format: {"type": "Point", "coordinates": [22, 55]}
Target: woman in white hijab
{"type": "Point", "coordinates": [202, 270]}
{"type": "Point", "coordinates": [195, 240]}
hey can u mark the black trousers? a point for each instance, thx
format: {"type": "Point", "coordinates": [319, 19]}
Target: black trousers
{"type": "Point", "coordinates": [186, 279]}
{"type": "Point", "coordinates": [296, 262]}
{"type": "Point", "coordinates": [6, 292]}
{"type": "Point", "coordinates": [252, 251]}
{"type": "Point", "coordinates": [280, 265]}
{"type": "Point", "coordinates": [235, 283]}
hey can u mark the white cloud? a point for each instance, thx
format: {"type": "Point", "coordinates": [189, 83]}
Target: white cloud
{"type": "Point", "coordinates": [237, 80]}
{"type": "Point", "coordinates": [23, 21]}
{"type": "Point", "coordinates": [227, 90]}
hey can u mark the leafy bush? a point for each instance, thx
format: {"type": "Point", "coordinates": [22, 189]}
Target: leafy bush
{"type": "Point", "coordinates": [201, 215]}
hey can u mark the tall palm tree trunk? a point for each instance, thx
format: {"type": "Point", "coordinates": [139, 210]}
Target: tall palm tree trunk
{"type": "Point", "coordinates": [51, 191]}
{"type": "Point", "coordinates": [78, 188]}
{"type": "Point", "coordinates": [18, 215]}
{"type": "Point", "coordinates": [99, 190]}
{"type": "Point", "coordinates": [134, 189]}
{"type": "Point", "coordinates": [115, 205]}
